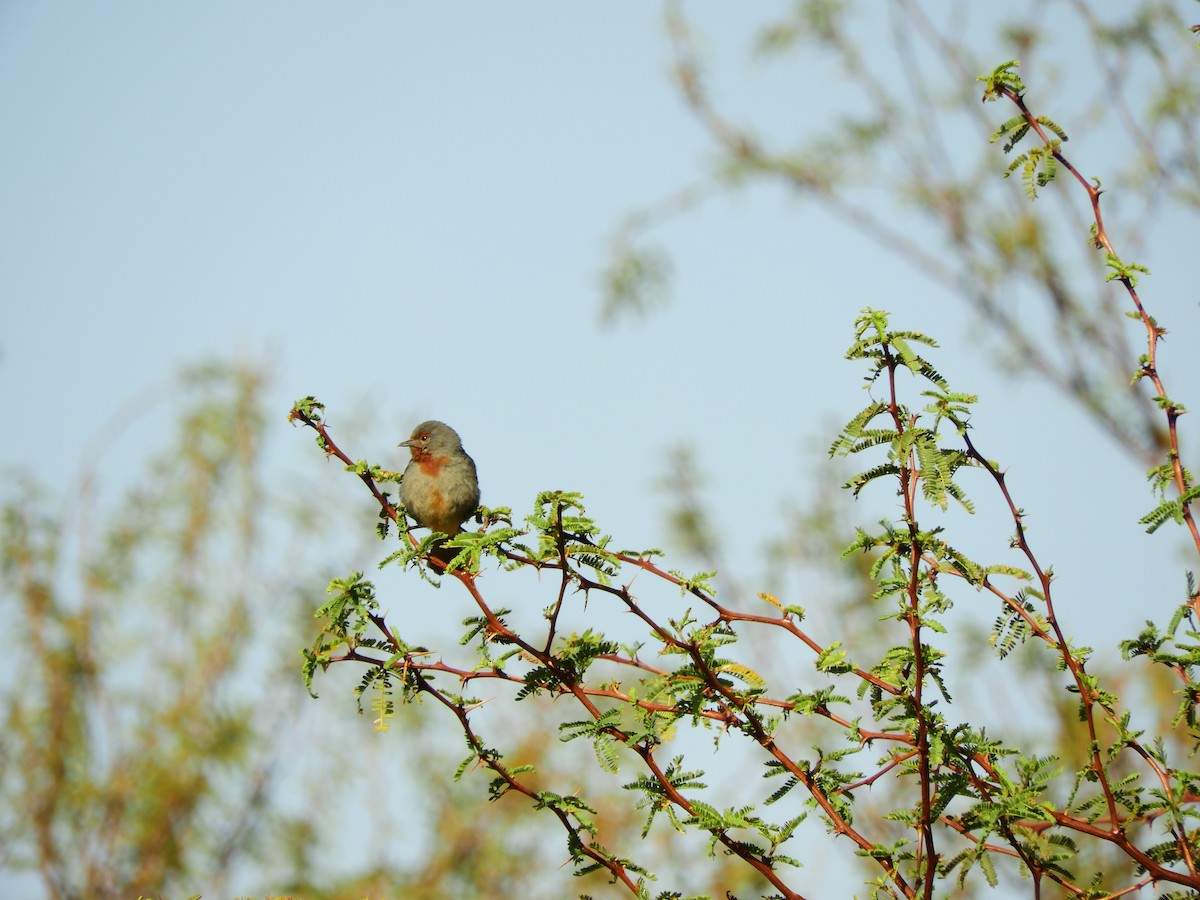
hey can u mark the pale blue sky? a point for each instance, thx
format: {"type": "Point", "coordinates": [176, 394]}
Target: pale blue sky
{"type": "Point", "coordinates": [411, 204]}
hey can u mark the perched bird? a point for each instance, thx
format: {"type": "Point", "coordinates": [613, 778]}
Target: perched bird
{"type": "Point", "coordinates": [439, 488]}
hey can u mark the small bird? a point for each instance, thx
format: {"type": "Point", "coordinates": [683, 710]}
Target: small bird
{"type": "Point", "coordinates": [439, 488]}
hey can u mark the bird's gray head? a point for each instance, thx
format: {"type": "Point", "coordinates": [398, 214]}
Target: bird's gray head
{"type": "Point", "coordinates": [433, 438]}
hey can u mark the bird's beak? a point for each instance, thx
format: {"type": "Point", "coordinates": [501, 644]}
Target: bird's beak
{"type": "Point", "coordinates": [407, 443]}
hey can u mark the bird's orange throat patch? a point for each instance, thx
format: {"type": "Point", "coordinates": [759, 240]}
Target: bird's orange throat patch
{"type": "Point", "coordinates": [431, 465]}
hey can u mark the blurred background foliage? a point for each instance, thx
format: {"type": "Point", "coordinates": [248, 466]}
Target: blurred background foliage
{"type": "Point", "coordinates": [900, 159]}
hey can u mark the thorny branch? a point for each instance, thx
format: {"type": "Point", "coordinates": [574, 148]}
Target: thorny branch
{"type": "Point", "coordinates": [1154, 332]}
{"type": "Point", "coordinates": [739, 712]}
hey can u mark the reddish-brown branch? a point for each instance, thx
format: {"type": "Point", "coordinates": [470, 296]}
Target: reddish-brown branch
{"type": "Point", "coordinates": [737, 711]}
{"type": "Point", "coordinates": [562, 589]}
{"type": "Point", "coordinates": [1153, 332]}
{"type": "Point", "coordinates": [786, 622]}
{"type": "Point", "coordinates": [1087, 697]}
{"type": "Point", "coordinates": [460, 712]}
{"type": "Point", "coordinates": [909, 478]}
